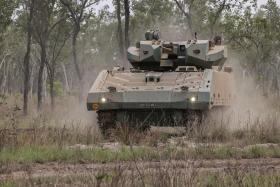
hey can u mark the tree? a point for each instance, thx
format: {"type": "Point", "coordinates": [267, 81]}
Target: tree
{"type": "Point", "coordinates": [215, 13]}
{"type": "Point", "coordinates": [30, 8]}
{"type": "Point", "coordinates": [120, 32]}
{"type": "Point", "coordinates": [187, 12]}
{"type": "Point", "coordinates": [58, 38]}
{"type": "Point", "coordinates": [205, 15]}
{"type": "Point", "coordinates": [77, 12]}
{"type": "Point", "coordinates": [7, 8]}
{"type": "Point", "coordinates": [256, 35]}
{"type": "Point", "coordinates": [216, 8]}
{"type": "Point", "coordinates": [42, 12]}
{"type": "Point", "coordinates": [149, 14]}
{"type": "Point", "coordinates": [44, 24]}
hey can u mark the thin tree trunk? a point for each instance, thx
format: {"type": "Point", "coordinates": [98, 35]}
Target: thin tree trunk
{"type": "Point", "coordinates": [45, 84]}
{"type": "Point", "coordinates": [217, 16]}
{"type": "Point", "coordinates": [31, 82]}
{"type": "Point", "coordinates": [127, 16]}
{"type": "Point", "coordinates": [74, 53]}
{"type": "Point", "coordinates": [71, 81]}
{"type": "Point", "coordinates": [120, 32]}
{"type": "Point", "coordinates": [3, 61]}
{"type": "Point", "coordinates": [52, 89]}
{"type": "Point", "coordinates": [187, 15]}
{"type": "Point", "coordinates": [75, 61]}
{"type": "Point", "coordinates": [8, 78]}
{"type": "Point", "coordinates": [40, 78]}
{"type": "Point", "coordinates": [4, 78]}
{"type": "Point", "coordinates": [65, 77]}
{"type": "Point", "coordinates": [26, 61]}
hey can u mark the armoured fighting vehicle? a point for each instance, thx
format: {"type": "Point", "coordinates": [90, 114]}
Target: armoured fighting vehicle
{"type": "Point", "coordinates": [170, 83]}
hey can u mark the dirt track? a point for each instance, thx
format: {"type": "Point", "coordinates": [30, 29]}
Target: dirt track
{"type": "Point", "coordinates": [62, 170]}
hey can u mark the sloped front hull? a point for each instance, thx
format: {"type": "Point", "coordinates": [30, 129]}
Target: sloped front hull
{"type": "Point", "coordinates": [151, 100]}
{"type": "Point", "coordinates": [204, 90]}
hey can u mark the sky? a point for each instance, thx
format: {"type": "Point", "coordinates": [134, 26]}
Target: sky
{"type": "Point", "coordinates": [109, 3]}
{"type": "Point", "coordinates": [264, 1]}
{"type": "Point", "coordinates": [104, 3]}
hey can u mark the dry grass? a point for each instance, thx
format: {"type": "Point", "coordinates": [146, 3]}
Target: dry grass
{"type": "Point", "coordinates": [64, 127]}
{"type": "Point", "coordinates": [45, 130]}
{"type": "Point", "coordinates": [258, 130]}
{"type": "Point", "coordinates": [49, 135]}
{"type": "Point", "coordinates": [46, 137]}
{"type": "Point", "coordinates": [168, 175]}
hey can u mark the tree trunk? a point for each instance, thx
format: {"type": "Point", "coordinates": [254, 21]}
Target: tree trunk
{"type": "Point", "coordinates": [3, 85]}
{"type": "Point", "coordinates": [189, 19]}
{"type": "Point", "coordinates": [66, 78]}
{"type": "Point", "coordinates": [52, 89]}
{"type": "Point", "coordinates": [120, 32]}
{"type": "Point", "coordinates": [27, 59]}
{"type": "Point", "coordinates": [217, 16]}
{"type": "Point", "coordinates": [74, 53]}
{"type": "Point", "coordinates": [8, 78]}
{"type": "Point", "coordinates": [75, 60]}
{"type": "Point", "coordinates": [31, 82]}
{"type": "Point", "coordinates": [187, 15]}
{"type": "Point", "coordinates": [126, 29]}
{"type": "Point", "coordinates": [51, 76]}
{"type": "Point", "coordinates": [45, 84]}
{"type": "Point", "coordinates": [40, 77]}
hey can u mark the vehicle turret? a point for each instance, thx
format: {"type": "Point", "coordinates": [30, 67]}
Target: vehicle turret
{"type": "Point", "coordinates": [154, 54]}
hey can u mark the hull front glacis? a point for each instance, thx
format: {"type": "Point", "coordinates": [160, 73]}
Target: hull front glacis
{"type": "Point", "coordinates": [126, 90]}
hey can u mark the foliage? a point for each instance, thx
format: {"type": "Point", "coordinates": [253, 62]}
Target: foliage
{"type": "Point", "coordinates": [150, 15]}
{"type": "Point", "coordinates": [7, 8]}
{"type": "Point", "coordinates": [256, 36]}
{"type": "Point", "coordinates": [58, 88]}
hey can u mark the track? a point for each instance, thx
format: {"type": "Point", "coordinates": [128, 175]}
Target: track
{"type": "Point", "coordinates": [142, 120]}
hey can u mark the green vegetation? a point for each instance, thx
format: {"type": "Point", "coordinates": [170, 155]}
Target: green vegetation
{"type": "Point", "coordinates": [44, 154]}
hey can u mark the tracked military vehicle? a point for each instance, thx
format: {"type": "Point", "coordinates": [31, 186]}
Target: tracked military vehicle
{"type": "Point", "coordinates": [170, 83]}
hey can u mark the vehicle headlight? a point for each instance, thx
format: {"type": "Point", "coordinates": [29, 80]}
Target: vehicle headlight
{"type": "Point", "coordinates": [103, 100]}
{"type": "Point", "coordinates": [193, 99]}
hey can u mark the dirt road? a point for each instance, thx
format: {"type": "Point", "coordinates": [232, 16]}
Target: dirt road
{"type": "Point", "coordinates": [63, 169]}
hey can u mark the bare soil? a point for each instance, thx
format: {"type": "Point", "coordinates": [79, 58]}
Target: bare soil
{"type": "Point", "coordinates": [63, 170]}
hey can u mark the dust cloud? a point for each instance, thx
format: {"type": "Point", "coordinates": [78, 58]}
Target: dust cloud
{"type": "Point", "coordinates": [250, 106]}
